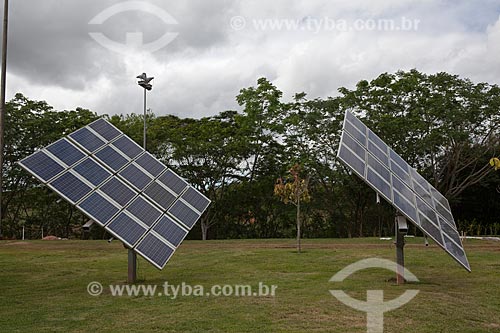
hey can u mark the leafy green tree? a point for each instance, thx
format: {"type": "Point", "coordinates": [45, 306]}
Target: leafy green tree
{"type": "Point", "coordinates": [207, 152]}
{"type": "Point", "coordinates": [442, 124]}
{"type": "Point", "coordinates": [259, 126]}
{"type": "Point", "coordinates": [29, 126]}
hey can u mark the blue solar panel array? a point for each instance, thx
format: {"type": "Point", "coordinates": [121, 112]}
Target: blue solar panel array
{"type": "Point", "coordinates": [111, 179]}
{"type": "Point", "coordinates": [387, 173]}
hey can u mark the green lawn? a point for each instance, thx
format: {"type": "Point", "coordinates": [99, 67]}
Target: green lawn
{"type": "Point", "coordinates": [44, 287]}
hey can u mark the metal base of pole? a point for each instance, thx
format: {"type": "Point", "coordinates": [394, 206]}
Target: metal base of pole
{"type": "Point", "coordinates": [132, 267]}
{"type": "Point", "coordinates": [401, 230]}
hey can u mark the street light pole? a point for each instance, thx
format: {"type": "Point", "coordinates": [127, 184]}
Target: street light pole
{"type": "Point", "coordinates": [144, 82]}
{"type": "Point", "coordinates": [145, 125]}
{"type": "Point", "coordinates": [2, 100]}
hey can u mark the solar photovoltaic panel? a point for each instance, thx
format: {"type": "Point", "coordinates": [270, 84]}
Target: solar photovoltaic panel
{"type": "Point", "coordinates": [126, 190]}
{"type": "Point", "coordinates": [150, 164]}
{"type": "Point", "coordinates": [173, 181]}
{"type": "Point", "coordinates": [135, 176]}
{"type": "Point", "coordinates": [42, 166]}
{"type": "Point", "coordinates": [355, 128]}
{"type": "Point", "coordinates": [144, 210]}
{"type": "Point", "coordinates": [66, 152]}
{"type": "Point", "coordinates": [128, 147]}
{"type": "Point", "coordinates": [105, 129]}
{"type": "Point", "coordinates": [90, 170]}
{"type": "Point", "coordinates": [118, 191]}
{"type": "Point", "coordinates": [155, 250]}
{"type": "Point", "coordinates": [170, 230]}
{"type": "Point", "coordinates": [98, 208]}
{"type": "Point", "coordinates": [352, 159]}
{"type": "Point", "coordinates": [195, 199]}
{"type": "Point", "coordinates": [401, 185]}
{"type": "Point", "coordinates": [184, 213]}
{"type": "Point", "coordinates": [71, 187]}
{"type": "Point", "coordinates": [88, 140]}
{"type": "Point", "coordinates": [160, 195]}
{"type": "Point", "coordinates": [112, 158]}
{"type": "Point", "coordinates": [126, 228]}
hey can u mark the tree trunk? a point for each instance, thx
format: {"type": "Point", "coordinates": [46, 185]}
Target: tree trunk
{"type": "Point", "coordinates": [204, 230]}
{"type": "Point", "coordinates": [298, 226]}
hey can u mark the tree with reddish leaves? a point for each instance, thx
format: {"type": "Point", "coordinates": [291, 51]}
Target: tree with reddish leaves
{"type": "Point", "coordinates": [293, 189]}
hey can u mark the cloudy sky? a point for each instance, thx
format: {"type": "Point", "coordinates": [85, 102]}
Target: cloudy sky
{"type": "Point", "coordinates": [202, 52]}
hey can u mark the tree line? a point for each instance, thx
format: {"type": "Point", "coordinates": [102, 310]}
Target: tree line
{"type": "Point", "coordinates": [445, 126]}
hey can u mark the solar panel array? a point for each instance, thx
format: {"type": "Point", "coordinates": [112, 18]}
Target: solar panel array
{"type": "Point", "coordinates": [123, 188]}
{"type": "Point", "coordinates": [387, 173]}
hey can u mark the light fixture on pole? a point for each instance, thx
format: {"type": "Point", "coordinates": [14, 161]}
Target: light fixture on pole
{"type": "Point", "coordinates": [144, 82]}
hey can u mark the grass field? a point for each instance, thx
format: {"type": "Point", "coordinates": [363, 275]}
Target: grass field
{"type": "Point", "coordinates": [44, 287]}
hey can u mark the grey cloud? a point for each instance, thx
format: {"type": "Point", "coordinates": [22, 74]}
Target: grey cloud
{"type": "Point", "coordinates": [52, 57]}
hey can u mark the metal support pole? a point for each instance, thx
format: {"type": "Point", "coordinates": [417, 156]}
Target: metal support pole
{"type": "Point", "coordinates": [132, 256]}
{"type": "Point", "coordinates": [145, 125]}
{"type": "Point", "coordinates": [2, 101]}
{"type": "Point", "coordinates": [132, 267]}
{"type": "Point", "coordinates": [401, 229]}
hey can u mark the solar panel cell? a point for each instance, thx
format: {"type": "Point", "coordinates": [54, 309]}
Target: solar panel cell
{"type": "Point", "coordinates": [354, 146]}
{"type": "Point", "coordinates": [196, 199]}
{"type": "Point", "coordinates": [144, 211]}
{"type": "Point", "coordinates": [111, 158]}
{"type": "Point", "coordinates": [352, 160]}
{"type": "Point", "coordinates": [450, 231]}
{"type": "Point", "coordinates": [150, 164]}
{"type": "Point", "coordinates": [92, 171]}
{"type": "Point", "coordinates": [87, 139]}
{"type": "Point", "coordinates": [159, 195]}
{"type": "Point", "coordinates": [372, 148]}
{"type": "Point", "coordinates": [431, 229]}
{"type": "Point", "coordinates": [427, 211]}
{"type": "Point", "coordinates": [136, 177]}
{"type": "Point", "coordinates": [118, 191]}
{"type": "Point", "coordinates": [404, 206]}
{"type": "Point", "coordinates": [66, 152]}
{"type": "Point", "coordinates": [173, 181]}
{"type": "Point", "coordinates": [42, 166]}
{"type": "Point", "coordinates": [356, 122]}
{"type": "Point", "coordinates": [105, 129]}
{"type": "Point", "coordinates": [126, 228]}
{"type": "Point", "coordinates": [456, 250]}
{"type": "Point", "coordinates": [71, 187]}
{"type": "Point", "coordinates": [170, 230]}
{"type": "Point", "coordinates": [128, 147]}
{"type": "Point", "coordinates": [155, 250]}
{"type": "Point", "coordinates": [399, 162]}
{"type": "Point", "coordinates": [183, 213]}
{"type": "Point", "coordinates": [355, 133]}
{"type": "Point", "coordinates": [383, 148]}
{"type": "Point", "coordinates": [422, 193]}
{"type": "Point", "coordinates": [98, 208]}
{"type": "Point", "coordinates": [379, 168]}
{"type": "Point", "coordinates": [379, 183]}
{"type": "Point", "coordinates": [404, 190]}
